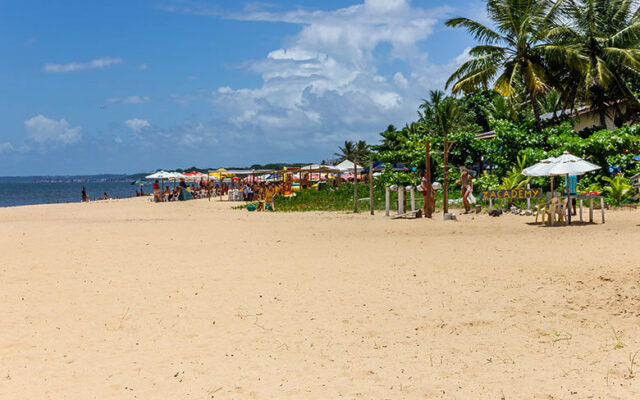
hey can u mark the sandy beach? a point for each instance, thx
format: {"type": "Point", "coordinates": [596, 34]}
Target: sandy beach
{"type": "Point", "coordinates": [193, 300]}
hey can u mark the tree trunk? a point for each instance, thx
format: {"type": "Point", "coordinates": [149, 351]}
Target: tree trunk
{"type": "Point", "coordinates": [371, 203]}
{"type": "Point", "coordinates": [536, 111]}
{"type": "Point", "coordinates": [355, 187]}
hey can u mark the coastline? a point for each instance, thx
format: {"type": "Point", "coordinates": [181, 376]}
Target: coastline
{"type": "Point", "coordinates": [116, 299]}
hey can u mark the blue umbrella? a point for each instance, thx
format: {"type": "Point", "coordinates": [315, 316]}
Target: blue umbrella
{"type": "Point", "coordinates": [637, 158]}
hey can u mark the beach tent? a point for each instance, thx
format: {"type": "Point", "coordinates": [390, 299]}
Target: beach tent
{"type": "Point", "coordinates": [185, 194]}
{"type": "Point", "coordinates": [347, 166]}
{"type": "Point", "coordinates": [565, 165]}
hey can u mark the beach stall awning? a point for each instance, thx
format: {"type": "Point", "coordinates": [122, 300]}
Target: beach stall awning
{"type": "Point", "coordinates": [347, 166]}
{"type": "Point", "coordinates": [317, 168]}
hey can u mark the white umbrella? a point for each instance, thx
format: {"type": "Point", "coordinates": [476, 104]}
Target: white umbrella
{"type": "Point", "coordinates": [567, 164]}
{"type": "Point", "coordinates": [159, 175]}
{"type": "Point", "coordinates": [539, 169]}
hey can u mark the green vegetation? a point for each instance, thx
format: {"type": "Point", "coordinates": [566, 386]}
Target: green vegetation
{"type": "Point", "coordinates": [535, 57]}
{"type": "Point", "coordinates": [618, 189]}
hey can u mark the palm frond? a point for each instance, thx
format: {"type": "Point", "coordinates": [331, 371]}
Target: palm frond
{"type": "Point", "coordinates": [480, 32]}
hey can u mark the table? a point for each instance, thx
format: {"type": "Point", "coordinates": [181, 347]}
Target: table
{"type": "Point", "coordinates": [235, 195]}
{"type": "Point", "coordinates": [591, 198]}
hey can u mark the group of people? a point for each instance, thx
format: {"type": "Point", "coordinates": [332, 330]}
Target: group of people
{"type": "Point", "coordinates": [84, 196]}
{"type": "Point", "coordinates": [202, 189]}
{"type": "Point", "coordinates": [466, 187]}
{"type": "Point", "coordinates": [263, 193]}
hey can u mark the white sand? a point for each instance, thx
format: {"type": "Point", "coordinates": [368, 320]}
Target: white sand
{"type": "Point", "coordinates": [129, 299]}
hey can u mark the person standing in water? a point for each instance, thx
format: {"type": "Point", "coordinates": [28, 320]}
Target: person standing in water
{"type": "Point", "coordinates": [84, 197]}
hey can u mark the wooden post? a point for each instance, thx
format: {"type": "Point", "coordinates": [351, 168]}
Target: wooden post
{"type": "Point", "coordinates": [447, 147]}
{"type": "Point", "coordinates": [371, 202]}
{"type": "Point", "coordinates": [387, 200]}
{"type": "Point", "coordinates": [413, 199]}
{"type": "Point", "coordinates": [355, 187]}
{"type": "Point", "coordinates": [591, 210]}
{"type": "Point", "coordinates": [581, 210]}
{"type": "Point", "coordinates": [400, 200]}
{"type": "Point", "coordinates": [428, 211]}
{"type": "Point", "coordinates": [602, 208]}
{"type": "Point", "coordinates": [569, 205]}
{"type": "Point", "coordinates": [490, 204]}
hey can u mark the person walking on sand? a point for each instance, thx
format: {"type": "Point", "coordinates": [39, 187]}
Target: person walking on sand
{"type": "Point", "coordinates": [466, 187]}
{"type": "Point", "coordinates": [84, 197]}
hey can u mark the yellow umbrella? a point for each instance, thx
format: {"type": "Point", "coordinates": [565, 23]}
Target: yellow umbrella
{"type": "Point", "coordinates": [220, 174]}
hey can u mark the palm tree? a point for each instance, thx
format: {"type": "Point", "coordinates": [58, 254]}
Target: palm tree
{"type": "Point", "coordinates": [512, 55]}
{"type": "Point", "coordinates": [446, 112]}
{"type": "Point", "coordinates": [346, 152]}
{"type": "Point", "coordinates": [599, 42]}
{"type": "Point", "coordinates": [355, 152]}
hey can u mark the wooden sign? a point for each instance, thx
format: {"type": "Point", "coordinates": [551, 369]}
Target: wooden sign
{"type": "Point", "coordinates": [512, 194]}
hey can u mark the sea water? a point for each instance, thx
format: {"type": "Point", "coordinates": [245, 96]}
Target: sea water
{"type": "Point", "coordinates": [44, 190]}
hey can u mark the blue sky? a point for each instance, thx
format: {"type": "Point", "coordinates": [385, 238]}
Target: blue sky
{"type": "Point", "coordinates": [132, 86]}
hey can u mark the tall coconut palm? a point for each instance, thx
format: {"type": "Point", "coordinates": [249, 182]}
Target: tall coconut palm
{"type": "Point", "coordinates": [598, 41]}
{"type": "Point", "coordinates": [446, 112]}
{"type": "Point", "coordinates": [354, 151]}
{"type": "Point", "coordinates": [512, 54]}
{"type": "Point", "coordinates": [346, 152]}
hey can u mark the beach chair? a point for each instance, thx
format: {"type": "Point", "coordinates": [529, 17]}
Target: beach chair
{"type": "Point", "coordinates": [543, 208]}
{"type": "Point", "coordinates": [549, 210]}
{"type": "Point", "coordinates": [557, 208]}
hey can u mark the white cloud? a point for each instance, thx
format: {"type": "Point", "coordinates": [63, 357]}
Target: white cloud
{"type": "Point", "coordinates": [129, 100]}
{"type": "Point", "coordinates": [137, 125]}
{"type": "Point", "coordinates": [118, 140]}
{"type": "Point", "coordinates": [400, 80]}
{"type": "Point", "coordinates": [43, 130]}
{"type": "Point", "coordinates": [98, 63]}
{"type": "Point", "coordinates": [6, 147]}
{"type": "Point", "coordinates": [142, 67]}
{"type": "Point", "coordinates": [330, 81]}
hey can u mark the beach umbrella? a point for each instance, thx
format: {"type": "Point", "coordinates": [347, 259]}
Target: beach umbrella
{"type": "Point", "coordinates": [539, 169]}
{"type": "Point", "coordinates": [159, 175]}
{"type": "Point", "coordinates": [162, 175]}
{"type": "Point", "coordinates": [568, 164]}
{"type": "Point", "coordinates": [565, 165]}
{"type": "Point", "coordinates": [637, 158]}
{"type": "Point", "coordinates": [140, 182]}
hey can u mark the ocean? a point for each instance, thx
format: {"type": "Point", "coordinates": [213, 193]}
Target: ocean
{"type": "Point", "coordinates": [19, 191]}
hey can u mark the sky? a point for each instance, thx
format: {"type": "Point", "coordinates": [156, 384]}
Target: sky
{"type": "Point", "coordinates": [135, 86]}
